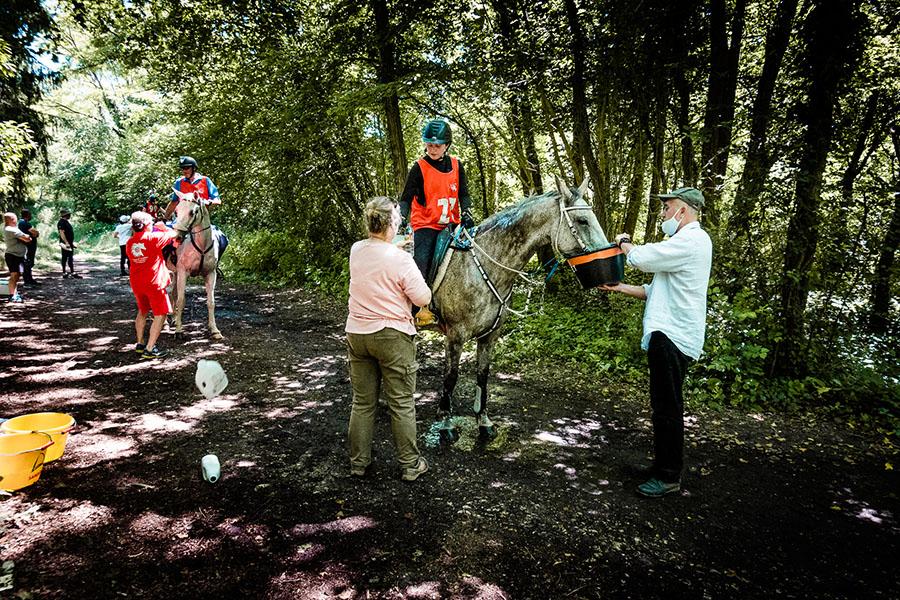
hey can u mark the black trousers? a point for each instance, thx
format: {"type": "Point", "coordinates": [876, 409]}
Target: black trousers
{"type": "Point", "coordinates": [668, 367]}
{"type": "Point", "coordinates": [424, 241]}
{"type": "Point", "coordinates": [123, 258]}
{"type": "Point", "coordinates": [28, 265]}
{"type": "Point", "coordinates": [67, 259]}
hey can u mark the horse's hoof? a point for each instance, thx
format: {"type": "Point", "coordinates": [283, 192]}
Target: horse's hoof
{"type": "Point", "coordinates": [218, 336]}
{"type": "Point", "coordinates": [487, 432]}
{"type": "Point", "coordinates": [449, 436]}
{"type": "Point", "coordinates": [179, 335]}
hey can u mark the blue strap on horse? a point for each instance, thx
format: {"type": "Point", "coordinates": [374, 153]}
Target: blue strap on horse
{"type": "Point", "coordinates": [555, 262]}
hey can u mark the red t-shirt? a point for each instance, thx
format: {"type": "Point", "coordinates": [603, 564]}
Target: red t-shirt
{"type": "Point", "coordinates": [441, 197]}
{"type": "Point", "coordinates": [146, 265]}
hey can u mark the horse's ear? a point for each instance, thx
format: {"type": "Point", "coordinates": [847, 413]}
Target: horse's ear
{"type": "Point", "coordinates": [584, 185]}
{"type": "Point", "coordinates": [562, 188]}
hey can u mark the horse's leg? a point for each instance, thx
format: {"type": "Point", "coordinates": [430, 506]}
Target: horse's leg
{"type": "Point", "coordinates": [479, 407]}
{"type": "Point", "coordinates": [451, 374]}
{"type": "Point", "coordinates": [180, 284]}
{"type": "Point", "coordinates": [210, 281]}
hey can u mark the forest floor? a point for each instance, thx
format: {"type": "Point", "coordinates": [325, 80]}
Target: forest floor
{"type": "Point", "coordinates": [771, 505]}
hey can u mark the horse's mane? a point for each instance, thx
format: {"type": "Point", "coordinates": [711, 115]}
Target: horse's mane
{"type": "Point", "coordinates": [512, 214]}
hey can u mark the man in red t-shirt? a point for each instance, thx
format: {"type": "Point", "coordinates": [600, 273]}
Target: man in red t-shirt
{"type": "Point", "coordinates": [149, 278]}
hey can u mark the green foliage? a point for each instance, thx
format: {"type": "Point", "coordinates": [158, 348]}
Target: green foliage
{"type": "Point", "coordinates": [588, 336]}
{"type": "Point", "coordinates": [278, 258]}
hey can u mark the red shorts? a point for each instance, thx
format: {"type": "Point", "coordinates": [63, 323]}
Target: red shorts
{"type": "Point", "coordinates": [153, 299]}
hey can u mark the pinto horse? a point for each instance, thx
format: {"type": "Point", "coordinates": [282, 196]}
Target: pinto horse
{"type": "Point", "coordinates": [198, 256]}
{"type": "Point", "coordinates": [473, 295]}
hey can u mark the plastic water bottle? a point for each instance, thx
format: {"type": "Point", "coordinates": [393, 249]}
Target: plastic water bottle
{"type": "Point", "coordinates": [209, 466]}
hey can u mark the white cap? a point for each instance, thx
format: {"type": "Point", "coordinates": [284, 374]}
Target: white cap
{"type": "Point", "coordinates": [123, 218]}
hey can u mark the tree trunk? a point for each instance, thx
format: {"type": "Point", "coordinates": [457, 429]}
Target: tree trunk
{"type": "Point", "coordinates": [717, 125]}
{"type": "Point", "coordinates": [880, 299]}
{"type": "Point", "coordinates": [580, 126]}
{"type": "Point", "coordinates": [757, 161]}
{"type": "Point", "coordinates": [635, 185]}
{"type": "Point", "coordinates": [387, 76]}
{"type": "Point", "coordinates": [832, 27]}
{"type": "Point", "coordinates": [658, 174]}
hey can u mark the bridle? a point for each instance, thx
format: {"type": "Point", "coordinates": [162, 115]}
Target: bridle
{"type": "Point", "coordinates": [504, 302]}
{"type": "Point", "coordinates": [564, 213]}
{"type": "Point", "coordinates": [190, 233]}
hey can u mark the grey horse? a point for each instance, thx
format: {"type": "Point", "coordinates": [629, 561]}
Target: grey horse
{"type": "Point", "coordinates": [473, 304]}
{"type": "Point", "coordinates": [198, 256]}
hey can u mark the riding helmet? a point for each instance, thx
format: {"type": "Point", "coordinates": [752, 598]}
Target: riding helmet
{"type": "Point", "coordinates": [187, 161]}
{"type": "Point", "coordinates": [437, 132]}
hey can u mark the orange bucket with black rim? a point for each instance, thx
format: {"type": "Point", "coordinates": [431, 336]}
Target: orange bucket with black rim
{"type": "Point", "coordinates": [600, 267]}
{"type": "Point", "coordinates": [56, 425]}
{"type": "Point", "coordinates": [22, 458]}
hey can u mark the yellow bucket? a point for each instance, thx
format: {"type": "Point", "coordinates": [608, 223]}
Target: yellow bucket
{"type": "Point", "coordinates": [22, 458]}
{"type": "Point", "coordinates": [58, 425]}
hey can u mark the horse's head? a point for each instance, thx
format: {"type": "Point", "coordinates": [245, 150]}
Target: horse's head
{"type": "Point", "coordinates": [578, 230]}
{"type": "Point", "coordinates": [187, 213]}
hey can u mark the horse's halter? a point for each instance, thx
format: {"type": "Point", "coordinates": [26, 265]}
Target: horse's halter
{"type": "Point", "coordinates": [564, 213]}
{"type": "Point", "coordinates": [194, 216]}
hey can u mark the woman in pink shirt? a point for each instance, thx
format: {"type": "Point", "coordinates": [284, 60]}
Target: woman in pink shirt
{"type": "Point", "coordinates": [384, 284]}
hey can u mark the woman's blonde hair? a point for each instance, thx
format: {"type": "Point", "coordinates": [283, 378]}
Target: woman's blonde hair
{"type": "Point", "coordinates": [378, 214]}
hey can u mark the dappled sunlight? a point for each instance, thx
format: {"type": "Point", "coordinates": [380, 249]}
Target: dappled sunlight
{"type": "Point", "coordinates": [70, 518]}
{"type": "Point", "coordinates": [862, 510]}
{"type": "Point", "coordinates": [484, 590]}
{"type": "Point", "coordinates": [329, 581]}
{"type": "Point", "coordinates": [341, 526]}
{"type": "Point", "coordinates": [281, 412]}
{"type": "Point", "coordinates": [93, 448]}
{"type": "Point", "coordinates": [428, 590]}
{"type": "Point", "coordinates": [158, 423]}
{"type": "Point", "coordinates": [575, 433]}
{"type": "Point", "coordinates": [50, 400]}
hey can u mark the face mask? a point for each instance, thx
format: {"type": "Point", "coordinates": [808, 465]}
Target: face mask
{"type": "Point", "coordinates": [670, 226]}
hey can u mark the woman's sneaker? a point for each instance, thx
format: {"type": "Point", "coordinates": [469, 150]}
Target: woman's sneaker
{"type": "Point", "coordinates": [16, 299]}
{"type": "Point", "coordinates": [412, 473]}
{"type": "Point", "coordinates": [155, 352]}
{"type": "Point", "coordinates": [139, 348]}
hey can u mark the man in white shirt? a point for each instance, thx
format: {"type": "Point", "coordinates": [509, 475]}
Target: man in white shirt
{"type": "Point", "coordinates": [674, 324]}
{"type": "Point", "coordinates": [123, 233]}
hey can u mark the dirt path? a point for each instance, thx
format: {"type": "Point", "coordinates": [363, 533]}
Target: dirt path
{"type": "Point", "coordinates": [771, 506]}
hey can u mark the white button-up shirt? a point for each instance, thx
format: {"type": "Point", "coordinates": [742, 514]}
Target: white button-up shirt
{"type": "Point", "coordinates": [676, 298]}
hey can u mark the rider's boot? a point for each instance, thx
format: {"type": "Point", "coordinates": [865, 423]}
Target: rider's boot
{"type": "Point", "coordinates": [425, 318]}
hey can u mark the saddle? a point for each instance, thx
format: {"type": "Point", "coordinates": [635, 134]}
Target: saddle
{"type": "Point", "coordinates": [448, 240]}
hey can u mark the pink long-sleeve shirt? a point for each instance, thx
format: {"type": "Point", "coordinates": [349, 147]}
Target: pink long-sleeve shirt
{"type": "Point", "coordinates": [384, 283]}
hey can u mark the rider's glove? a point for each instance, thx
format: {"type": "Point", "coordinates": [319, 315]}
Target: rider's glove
{"type": "Point", "coordinates": [467, 221]}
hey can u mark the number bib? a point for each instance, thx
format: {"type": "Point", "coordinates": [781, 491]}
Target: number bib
{"type": "Point", "coordinates": [441, 197]}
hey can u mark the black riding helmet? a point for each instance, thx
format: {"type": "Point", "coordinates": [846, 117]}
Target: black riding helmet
{"type": "Point", "coordinates": [437, 132]}
{"type": "Point", "coordinates": [187, 161]}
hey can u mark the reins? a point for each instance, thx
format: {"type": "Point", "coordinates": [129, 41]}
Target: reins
{"type": "Point", "coordinates": [563, 213]}
{"type": "Point", "coordinates": [190, 233]}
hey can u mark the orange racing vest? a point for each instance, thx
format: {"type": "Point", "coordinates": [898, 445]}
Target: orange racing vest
{"type": "Point", "coordinates": [441, 197]}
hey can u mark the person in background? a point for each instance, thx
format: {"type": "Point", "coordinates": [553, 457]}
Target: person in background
{"type": "Point", "coordinates": [16, 247]}
{"type": "Point", "coordinates": [674, 325]}
{"type": "Point", "coordinates": [435, 195]}
{"type": "Point", "coordinates": [149, 277]}
{"type": "Point", "coordinates": [67, 243]}
{"type": "Point", "coordinates": [381, 347]}
{"type": "Point", "coordinates": [25, 226]}
{"type": "Point", "coordinates": [122, 233]}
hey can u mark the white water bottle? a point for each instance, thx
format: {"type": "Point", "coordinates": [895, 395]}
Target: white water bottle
{"type": "Point", "coordinates": [209, 466]}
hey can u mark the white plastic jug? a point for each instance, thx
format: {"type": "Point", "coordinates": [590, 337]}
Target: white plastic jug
{"type": "Point", "coordinates": [209, 466]}
{"type": "Point", "coordinates": [211, 379]}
